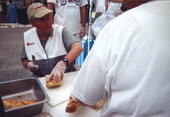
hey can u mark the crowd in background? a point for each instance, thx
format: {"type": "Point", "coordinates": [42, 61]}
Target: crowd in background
{"type": "Point", "coordinates": [104, 8]}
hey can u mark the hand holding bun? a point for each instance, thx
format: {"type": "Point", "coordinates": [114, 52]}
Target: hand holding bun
{"type": "Point", "coordinates": [74, 104]}
{"type": "Point", "coordinates": [51, 83]}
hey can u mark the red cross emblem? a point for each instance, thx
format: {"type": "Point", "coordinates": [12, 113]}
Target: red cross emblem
{"type": "Point", "coordinates": [28, 44]}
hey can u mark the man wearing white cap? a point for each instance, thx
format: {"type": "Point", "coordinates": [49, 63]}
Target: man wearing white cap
{"type": "Point", "coordinates": [47, 48]}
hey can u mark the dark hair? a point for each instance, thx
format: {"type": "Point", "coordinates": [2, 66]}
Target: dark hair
{"type": "Point", "coordinates": [123, 7]}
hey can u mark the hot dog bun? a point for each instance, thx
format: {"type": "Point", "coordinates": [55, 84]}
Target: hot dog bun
{"type": "Point", "coordinates": [72, 105]}
{"type": "Point", "coordinates": [51, 84]}
{"type": "Point", "coordinates": [99, 105]}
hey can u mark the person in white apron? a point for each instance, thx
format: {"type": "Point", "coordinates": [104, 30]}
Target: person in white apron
{"type": "Point", "coordinates": [71, 14]}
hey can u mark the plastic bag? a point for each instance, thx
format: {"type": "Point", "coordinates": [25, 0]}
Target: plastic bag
{"type": "Point", "coordinates": [107, 16]}
{"type": "Point", "coordinates": [101, 21]}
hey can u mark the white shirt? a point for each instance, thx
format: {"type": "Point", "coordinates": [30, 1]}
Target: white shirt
{"type": "Point", "coordinates": [68, 14]}
{"type": "Point", "coordinates": [130, 65]}
{"type": "Point", "coordinates": [99, 5]}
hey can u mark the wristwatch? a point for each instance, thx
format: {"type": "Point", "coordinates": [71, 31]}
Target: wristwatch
{"type": "Point", "coordinates": [66, 61]}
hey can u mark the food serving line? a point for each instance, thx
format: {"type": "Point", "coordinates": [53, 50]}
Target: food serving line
{"type": "Point", "coordinates": [47, 102]}
{"type": "Point", "coordinates": [59, 98]}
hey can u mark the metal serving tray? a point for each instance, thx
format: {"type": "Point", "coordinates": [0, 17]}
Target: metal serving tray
{"type": "Point", "coordinates": [24, 89]}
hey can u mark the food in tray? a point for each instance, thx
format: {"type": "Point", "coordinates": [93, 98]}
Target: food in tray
{"type": "Point", "coordinates": [9, 104]}
{"type": "Point", "coordinates": [51, 84]}
{"type": "Point", "coordinates": [73, 105]}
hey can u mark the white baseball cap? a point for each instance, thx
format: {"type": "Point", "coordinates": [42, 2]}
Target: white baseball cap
{"type": "Point", "coordinates": [37, 10]}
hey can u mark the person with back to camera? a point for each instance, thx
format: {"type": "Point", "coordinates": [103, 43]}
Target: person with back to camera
{"type": "Point", "coordinates": [130, 67]}
{"type": "Point", "coordinates": [53, 46]}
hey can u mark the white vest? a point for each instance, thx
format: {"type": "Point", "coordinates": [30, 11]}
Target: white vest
{"type": "Point", "coordinates": [54, 46]}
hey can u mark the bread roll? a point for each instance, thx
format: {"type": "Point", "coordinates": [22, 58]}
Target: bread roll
{"type": "Point", "coordinates": [99, 105]}
{"type": "Point", "coordinates": [72, 106]}
{"type": "Point", "coordinates": [51, 84]}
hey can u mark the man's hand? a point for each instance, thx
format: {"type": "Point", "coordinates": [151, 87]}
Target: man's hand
{"type": "Point", "coordinates": [32, 67]}
{"type": "Point", "coordinates": [57, 72]}
{"type": "Point", "coordinates": [118, 12]}
{"type": "Point", "coordinates": [82, 32]}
